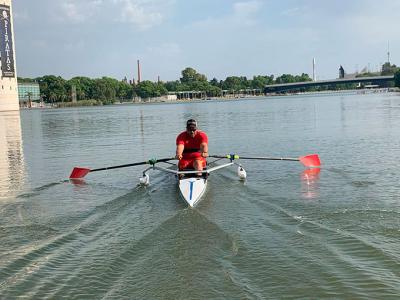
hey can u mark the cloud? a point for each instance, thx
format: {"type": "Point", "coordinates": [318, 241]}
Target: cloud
{"type": "Point", "coordinates": [247, 8]}
{"type": "Point", "coordinates": [21, 16]}
{"type": "Point", "coordinates": [291, 12]}
{"type": "Point", "coordinates": [244, 15]}
{"type": "Point", "coordinates": [245, 12]}
{"type": "Point", "coordinates": [166, 50]}
{"type": "Point", "coordinates": [71, 12]}
{"type": "Point", "coordinates": [74, 46]}
{"type": "Point", "coordinates": [372, 27]}
{"type": "Point", "coordinates": [78, 12]}
{"type": "Point", "coordinates": [143, 14]}
{"type": "Point", "coordinates": [40, 44]}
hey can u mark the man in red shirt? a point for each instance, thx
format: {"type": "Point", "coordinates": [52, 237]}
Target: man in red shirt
{"type": "Point", "coordinates": [192, 147]}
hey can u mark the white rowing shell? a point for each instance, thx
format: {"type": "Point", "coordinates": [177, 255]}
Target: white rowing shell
{"type": "Point", "coordinates": [192, 189]}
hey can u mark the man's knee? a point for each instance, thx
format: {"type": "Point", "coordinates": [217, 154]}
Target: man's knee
{"type": "Point", "coordinates": [198, 165]}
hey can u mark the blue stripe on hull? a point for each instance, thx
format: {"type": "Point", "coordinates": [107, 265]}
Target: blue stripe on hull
{"type": "Point", "coordinates": [191, 190]}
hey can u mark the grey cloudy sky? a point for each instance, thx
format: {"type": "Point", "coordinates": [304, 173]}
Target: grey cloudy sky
{"type": "Point", "coordinates": [218, 38]}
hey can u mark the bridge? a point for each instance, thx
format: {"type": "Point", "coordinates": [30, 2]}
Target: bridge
{"type": "Point", "coordinates": [376, 80]}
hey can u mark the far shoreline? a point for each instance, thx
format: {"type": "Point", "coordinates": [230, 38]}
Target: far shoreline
{"type": "Point", "coordinates": [160, 100]}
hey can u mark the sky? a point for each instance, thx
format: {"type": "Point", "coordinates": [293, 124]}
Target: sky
{"type": "Point", "coordinates": [218, 38]}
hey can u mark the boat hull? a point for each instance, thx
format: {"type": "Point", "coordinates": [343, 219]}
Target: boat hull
{"type": "Point", "coordinates": [192, 189]}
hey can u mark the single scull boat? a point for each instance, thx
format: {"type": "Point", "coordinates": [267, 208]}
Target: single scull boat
{"type": "Point", "coordinates": [191, 186]}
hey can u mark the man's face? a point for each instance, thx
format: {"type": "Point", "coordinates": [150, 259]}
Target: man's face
{"type": "Point", "coordinates": [191, 130]}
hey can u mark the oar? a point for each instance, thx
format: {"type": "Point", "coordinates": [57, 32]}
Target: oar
{"type": "Point", "coordinates": [78, 172]}
{"type": "Point", "coordinates": [310, 161]}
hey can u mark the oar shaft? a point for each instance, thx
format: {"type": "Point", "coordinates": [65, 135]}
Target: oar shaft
{"type": "Point", "coordinates": [132, 165]}
{"type": "Point", "coordinates": [271, 158]}
{"type": "Point", "coordinates": [114, 167]}
{"type": "Point", "coordinates": [259, 158]}
{"type": "Point", "coordinates": [310, 160]}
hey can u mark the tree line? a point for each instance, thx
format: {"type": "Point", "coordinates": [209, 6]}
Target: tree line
{"type": "Point", "coordinates": [108, 90]}
{"type": "Point", "coordinates": [57, 89]}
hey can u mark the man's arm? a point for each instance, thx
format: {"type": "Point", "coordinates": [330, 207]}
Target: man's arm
{"type": "Point", "coordinates": [179, 151]}
{"type": "Point", "coordinates": [204, 149]}
{"type": "Point", "coordinates": [204, 145]}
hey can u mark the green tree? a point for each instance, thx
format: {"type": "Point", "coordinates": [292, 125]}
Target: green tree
{"type": "Point", "coordinates": [259, 82]}
{"type": "Point", "coordinates": [388, 69]}
{"type": "Point", "coordinates": [124, 90]}
{"type": "Point", "coordinates": [172, 86]}
{"type": "Point", "coordinates": [285, 78]}
{"type": "Point", "coordinates": [233, 83]}
{"type": "Point", "coordinates": [148, 89]}
{"type": "Point", "coordinates": [105, 89]}
{"type": "Point", "coordinates": [288, 78]}
{"type": "Point", "coordinates": [397, 78]}
{"type": "Point", "coordinates": [302, 78]}
{"type": "Point", "coordinates": [199, 86]}
{"type": "Point", "coordinates": [183, 87]}
{"type": "Point", "coordinates": [161, 89]}
{"type": "Point", "coordinates": [190, 75]}
{"type": "Point", "coordinates": [214, 82]}
{"type": "Point", "coordinates": [213, 91]}
{"type": "Point", "coordinates": [26, 80]}
{"type": "Point", "coordinates": [53, 88]}
{"type": "Point", "coordinates": [84, 87]}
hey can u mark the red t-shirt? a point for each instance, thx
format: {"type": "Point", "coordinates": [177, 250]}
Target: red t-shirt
{"type": "Point", "coordinates": [191, 144]}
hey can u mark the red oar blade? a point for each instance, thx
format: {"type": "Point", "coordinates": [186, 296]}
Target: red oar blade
{"type": "Point", "coordinates": [311, 161]}
{"type": "Point", "coordinates": [78, 173]}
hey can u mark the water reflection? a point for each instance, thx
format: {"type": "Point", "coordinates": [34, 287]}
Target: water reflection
{"type": "Point", "coordinates": [310, 183]}
{"type": "Point", "coordinates": [11, 154]}
{"type": "Point", "coordinates": [78, 182]}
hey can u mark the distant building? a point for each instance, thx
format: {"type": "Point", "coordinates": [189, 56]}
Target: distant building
{"type": "Point", "coordinates": [28, 92]}
{"type": "Point", "coordinates": [341, 72]}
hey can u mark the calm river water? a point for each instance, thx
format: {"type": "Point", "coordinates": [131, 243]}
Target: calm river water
{"type": "Point", "coordinates": [284, 233]}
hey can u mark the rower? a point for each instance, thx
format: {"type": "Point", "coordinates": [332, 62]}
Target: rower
{"type": "Point", "coordinates": [192, 148]}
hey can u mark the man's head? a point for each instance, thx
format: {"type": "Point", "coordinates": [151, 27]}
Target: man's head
{"type": "Point", "coordinates": [191, 127]}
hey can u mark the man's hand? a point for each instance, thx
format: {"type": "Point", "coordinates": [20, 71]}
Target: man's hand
{"type": "Point", "coordinates": [178, 156]}
{"type": "Point", "coordinates": [204, 154]}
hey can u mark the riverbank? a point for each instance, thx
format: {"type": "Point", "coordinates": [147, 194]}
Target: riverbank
{"type": "Point", "coordinates": [93, 102]}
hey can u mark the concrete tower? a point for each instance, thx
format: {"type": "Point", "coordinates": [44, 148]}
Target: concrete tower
{"type": "Point", "coordinates": [314, 76]}
{"type": "Point", "coordinates": [8, 74]}
{"type": "Point", "coordinates": [138, 72]}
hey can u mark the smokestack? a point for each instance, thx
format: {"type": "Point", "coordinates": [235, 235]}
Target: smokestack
{"type": "Point", "coordinates": [314, 76]}
{"type": "Point", "coordinates": [138, 71]}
